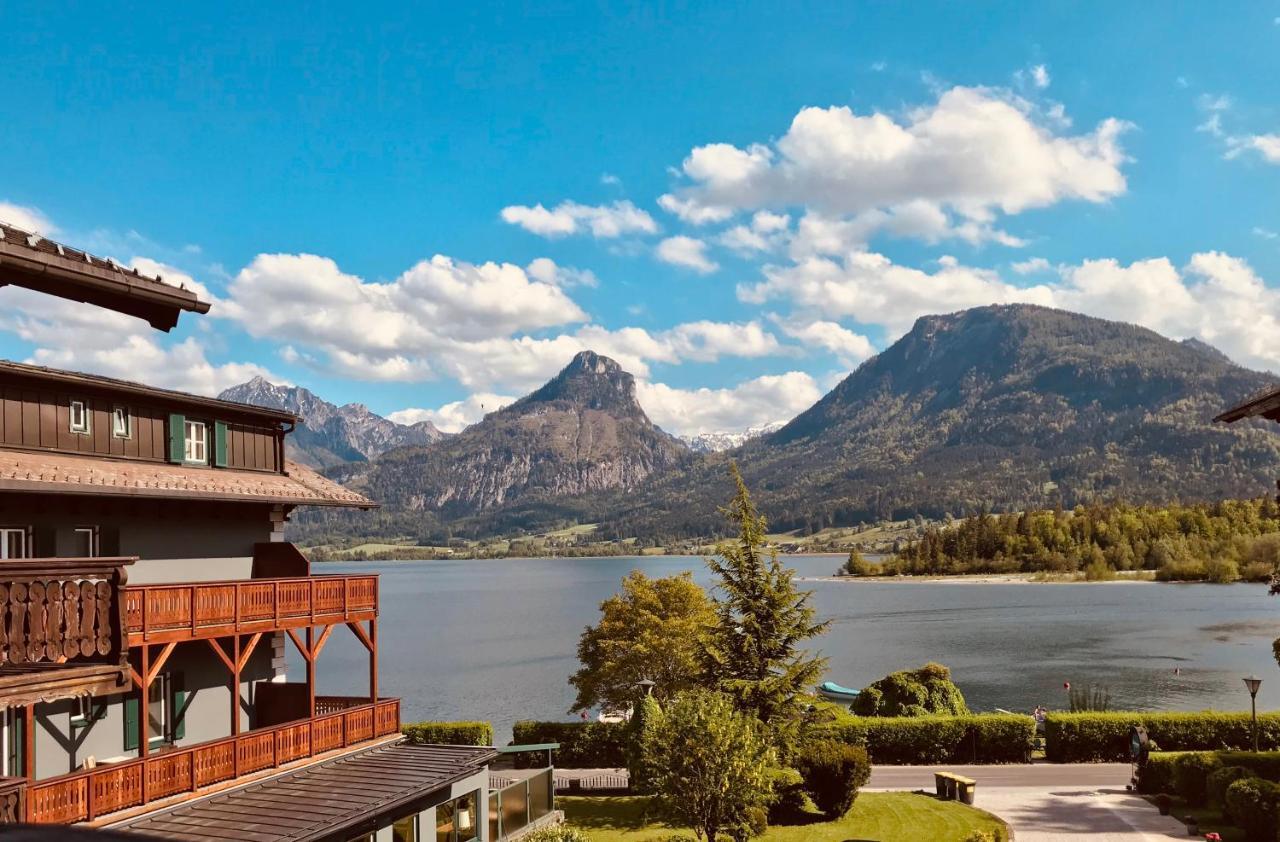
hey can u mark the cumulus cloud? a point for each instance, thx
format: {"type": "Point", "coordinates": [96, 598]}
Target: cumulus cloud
{"type": "Point", "coordinates": [455, 416]}
{"type": "Point", "coordinates": [26, 218]}
{"type": "Point", "coordinates": [763, 400]}
{"type": "Point", "coordinates": [1267, 146]}
{"type": "Point", "coordinates": [943, 170]}
{"type": "Point", "coordinates": [602, 221]}
{"type": "Point", "coordinates": [765, 233]}
{"type": "Point", "coordinates": [1040, 76]}
{"type": "Point", "coordinates": [849, 347]}
{"type": "Point", "coordinates": [688, 252]}
{"type": "Point", "coordinates": [1031, 266]}
{"type": "Point", "coordinates": [545, 270]}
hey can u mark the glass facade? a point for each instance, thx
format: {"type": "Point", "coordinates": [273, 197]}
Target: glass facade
{"type": "Point", "coordinates": [458, 820]}
{"type": "Point", "coordinates": [405, 830]}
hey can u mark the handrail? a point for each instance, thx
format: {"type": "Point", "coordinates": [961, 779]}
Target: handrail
{"type": "Point", "coordinates": [12, 795]}
{"type": "Point", "coordinates": [189, 610]}
{"type": "Point", "coordinates": [89, 794]}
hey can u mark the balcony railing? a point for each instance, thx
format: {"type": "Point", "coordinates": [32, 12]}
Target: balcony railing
{"type": "Point", "coordinates": [160, 613]}
{"type": "Point", "coordinates": [87, 795]}
{"type": "Point", "coordinates": [61, 611]}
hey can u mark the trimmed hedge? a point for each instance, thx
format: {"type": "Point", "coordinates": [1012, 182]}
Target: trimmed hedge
{"type": "Point", "coordinates": [1161, 771]}
{"type": "Point", "coordinates": [925, 740]}
{"type": "Point", "coordinates": [1191, 775]}
{"type": "Point", "coordinates": [1093, 737]}
{"type": "Point", "coordinates": [449, 733]}
{"type": "Point", "coordinates": [1217, 784]}
{"type": "Point", "coordinates": [583, 745]}
{"type": "Point", "coordinates": [1253, 802]}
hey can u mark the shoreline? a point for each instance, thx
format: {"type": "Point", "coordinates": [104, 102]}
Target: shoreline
{"type": "Point", "coordinates": [984, 579]}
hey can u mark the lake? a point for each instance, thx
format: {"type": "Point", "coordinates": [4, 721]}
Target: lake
{"type": "Point", "coordinates": [497, 639]}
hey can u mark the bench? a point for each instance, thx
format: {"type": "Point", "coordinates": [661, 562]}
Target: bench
{"type": "Point", "coordinates": [953, 787]}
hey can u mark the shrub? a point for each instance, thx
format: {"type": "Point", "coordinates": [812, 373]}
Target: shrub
{"type": "Point", "coordinates": [928, 690]}
{"type": "Point", "coordinates": [833, 772]}
{"type": "Point", "coordinates": [449, 733]}
{"type": "Point", "coordinates": [1190, 775]}
{"type": "Point", "coordinates": [583, 745]}
{"type": "Point", "coordinates": [557, 834]}
{"type": "Point", "coordinates": [1157, 773]}
{"type": "Point", "coordinates": [1217, 784]}
{"type": "Point", "coordinates": [1252, 804]}
{"type": "Point", "coordinates": [1091, 737]}
{"type": "Point", "coordinates": [977, 738]}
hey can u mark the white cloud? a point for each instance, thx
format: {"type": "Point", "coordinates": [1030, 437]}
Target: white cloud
{"type": "Point", "coordinates": [692, 211]}
{"type": "Point", "coordinates": [1031, 266]}
{"type": "Point", "coordinates": [1265, 233]}
{"type": "Point", "coordinates": [603, 221]}
{"type": "Point", "coordinates": [765, 233]}
{"type": "Point", "coordinates": [545, 270]}
{"type": "Point", "coordinates": [1040, 76]}
{"type": "Point", "coordinates": [27, 218]}
{"type": "Point", "coordinates": [81, 337]}
{"type": "Point", "coordinates": [1266, 145]}
{"type": "Point", "coordinates": [708, 341]}
{"type": "Point", "coordinates": [763, 400]}
{"type": "Point", "coordinates": [974, 153]}
{"type": "Point", "coordinates": [688, 252]}
{"type": "Point", "coordinates": [849, 347]}
{"type": "Point", "coordinates": [455, 416]}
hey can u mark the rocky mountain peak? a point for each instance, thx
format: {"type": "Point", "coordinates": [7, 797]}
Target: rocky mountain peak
{"type": "Point", "coordinates": [589, 381]}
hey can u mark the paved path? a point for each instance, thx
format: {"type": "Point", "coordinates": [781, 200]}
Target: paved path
{"type": "Point", "coordinates": [1052, 802]}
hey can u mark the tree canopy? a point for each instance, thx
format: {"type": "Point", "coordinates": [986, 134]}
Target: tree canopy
{"type": "Point", "coordinates": [920, 692]}
{"type": "Point", "coordinates": [650, 631]}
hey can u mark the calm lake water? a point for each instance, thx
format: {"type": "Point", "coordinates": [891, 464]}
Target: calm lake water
{"type": "Point", "coordinates": [496, 640]}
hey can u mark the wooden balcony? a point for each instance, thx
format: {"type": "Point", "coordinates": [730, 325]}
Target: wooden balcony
{"type": "Point", "coordinates": [177, 612]}
{"type": "Point", "coordinates": [61, 628]}
{"type": "Point", "coordinates": [88, 795]}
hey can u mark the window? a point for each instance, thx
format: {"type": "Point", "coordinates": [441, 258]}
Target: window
{"type": "Point", "coordinates": [159, 708]}
{"type": "Point", "coordinates": [456, 819]}
{"type": "Point", "coordinates": [86, 544]}
{"type": "Point", "coordinates": [86, 710]}
{"type": "Point", "coordinates": [196, 448]}
{"type": "Point", "coordinates": [13, 542]}
{"type": "Point", "coordinates": [405, 830]}
{"type": "Point", "coordinates": [79, 417]}
{"type": "Point", "coordinates": [121, 422]}
{"type": "Point", "coordinates": [11, 737]}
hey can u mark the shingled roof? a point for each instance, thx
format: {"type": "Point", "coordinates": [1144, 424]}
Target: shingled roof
{"type": "Point", "coordinates": [58, 473]}
{"type": "Point", "coordinates": [35, 262]}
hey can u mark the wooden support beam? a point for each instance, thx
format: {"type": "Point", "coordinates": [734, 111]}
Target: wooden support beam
{"type": "Point", "coordinates": [222, 655]}
{"type": "Point", "coordinates": [248, 650]}
{"type": "Point", "coordinates": [311, 671]}
{"type": "Point", "coordinates": [144, 717]}
{"type": "Point", "coordinates": [304, 648]}
{"type": "Point", "coordinates": [319, 644]}
{"type": "Point", "coordinates": [359, 632]}
{"type": "Point", "coordinates": [373, 660]}
{"type": "Point", "coordinates": [235, 699]}
{"type": "Point", "coordinates": [29, 743]}
{"type": "Point", "coordinates": [160, 661]}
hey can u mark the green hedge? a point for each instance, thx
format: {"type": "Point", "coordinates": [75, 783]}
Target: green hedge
{"type": "Point", "coordinates": [449, 733]}
{"type": "Point", "coordinates": [1093, 737]}
{"type": "Point", "coordinates": [583, 745]}
{"type": "Point", "coordinates": [923, 740]}
{"type": "Point", "coordinates": [1252, 803]}
{"type": "Point", "coordinates": [1162, 770]}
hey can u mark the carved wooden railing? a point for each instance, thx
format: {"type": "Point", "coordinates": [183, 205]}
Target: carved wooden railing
{"type": "Point", "coordinates": [12, 799]}
{"type": "Point", "coordinates": [62, 610]}
{"type": "Point", "coordinates": [156, 613]}
{"type": "Point", "coordinates": [87, 795]}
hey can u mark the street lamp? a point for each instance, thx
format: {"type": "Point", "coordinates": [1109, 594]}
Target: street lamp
{"type": "Point", "coordinates": [1253, 683]}
{"type": "Point", "coordinates": [647, 684]}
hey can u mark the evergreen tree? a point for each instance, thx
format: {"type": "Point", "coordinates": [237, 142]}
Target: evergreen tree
{"type": "Point", "coordinates": [753, 652]}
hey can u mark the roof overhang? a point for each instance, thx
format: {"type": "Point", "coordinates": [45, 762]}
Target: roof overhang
{"type": "Point", "coordinates": [31, 683]}
{"type": "Point", "coordinates": [1264, 405]}
{"type": "Point", "coordinates": [35, 263]}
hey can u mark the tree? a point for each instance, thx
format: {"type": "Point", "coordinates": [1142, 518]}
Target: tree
{"type": "Point", "coordinates": [639, 732]}
{"type": "Point", "coordinates": [856, 565]}
{"type": "Point", "coordinates": [712, 765]}
{"type": "Point", "coordinates": [754, 651]}
{"type": "Point", "coordinates": [833, 772]}
{"type": "Point", "coordinates": [649, 631]}
{"type": "Point", "coordinates": [928, 690]}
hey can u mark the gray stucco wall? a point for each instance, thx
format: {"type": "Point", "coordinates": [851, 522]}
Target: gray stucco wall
{"type": "Point", "coordinates": [62, 747]}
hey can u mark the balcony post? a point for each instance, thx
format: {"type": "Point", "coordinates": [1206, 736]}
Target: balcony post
{"type": "Point", "coordinates": [311, 671]}
{"type": "Point", "coordinates": [29, 743]}
{"type": "Point", "coordinates": [373, 660]}
{"type": "Point", "coordinates": [235, 691]}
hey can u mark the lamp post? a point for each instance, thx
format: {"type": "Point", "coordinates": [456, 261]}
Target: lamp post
{"type": "Point", "coordinates": [1253, 683]}
{"type": "Point", "coordinates": [647, 684]}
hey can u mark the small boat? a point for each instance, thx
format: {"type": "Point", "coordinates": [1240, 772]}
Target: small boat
{"type": "Point", "coordinates": [836, 693]}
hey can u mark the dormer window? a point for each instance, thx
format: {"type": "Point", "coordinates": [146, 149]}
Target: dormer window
{"type": "Point", "coordinates": [196, 442]}
{"type": "Point", "coordinates": [121, 422]}
{"type": "Point", "coordinates": [79, 417]}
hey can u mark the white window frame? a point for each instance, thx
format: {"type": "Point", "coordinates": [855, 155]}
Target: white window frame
{"type": "Point", "coordinates": [85, 425]}
{"type": "Point", "coordinates": [10, 734]}
{"type": "Point", "coordinates": [162, 685]}
{"type": "Point", "coordinates": [121, 422]}
{"type": "Point", "coordinates": [94, 546]}
{"type": "Point", "coordinates": [24, 533]}
{"type": "Point", "coordinates": [195, 449]}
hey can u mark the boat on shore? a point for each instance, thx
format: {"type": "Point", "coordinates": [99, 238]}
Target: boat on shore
{"type": "Point", "coordinates": [836, 692]}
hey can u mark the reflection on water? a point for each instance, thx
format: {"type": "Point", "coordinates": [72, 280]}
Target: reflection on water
{"type": "Point", "coordinates": [497, 639]}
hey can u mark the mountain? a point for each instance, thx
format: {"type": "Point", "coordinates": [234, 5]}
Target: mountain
{"type": "Point", "coordinates": [331, 435]}
{"type": "Point", "coordinates": [583, 432]}
{"type": "Point", "coordinates": [719, 441]}
{"type": "Point", "coordinates": [999, 407]}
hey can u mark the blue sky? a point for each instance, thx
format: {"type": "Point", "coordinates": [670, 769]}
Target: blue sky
{"type": "Point", "coordinates": [432, 209]}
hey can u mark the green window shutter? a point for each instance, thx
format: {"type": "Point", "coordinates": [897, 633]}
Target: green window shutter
{"type": "Point", "coordinates": [130, 721]}
{"type": "Point", "coordinates": [17, 746]}
{"type": "Point", "coordinates": [177, 437]}
{"type": "Point", "coordinates": [220, 443]}
{"type": "Point", "coordinates": [179, 707]}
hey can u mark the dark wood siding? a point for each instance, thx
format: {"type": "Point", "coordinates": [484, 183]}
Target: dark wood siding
{"type": "Point", "coordinates": [40, 419]}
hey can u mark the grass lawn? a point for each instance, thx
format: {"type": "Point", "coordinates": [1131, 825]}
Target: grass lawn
{"type": "Point", "coordinates": [875, 817]}
{"type": "Point", "coordinates": [1209, 820]}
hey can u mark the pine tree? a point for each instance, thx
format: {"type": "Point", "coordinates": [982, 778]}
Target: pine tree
{"type": "Point", "coordinates": [753, 652]}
